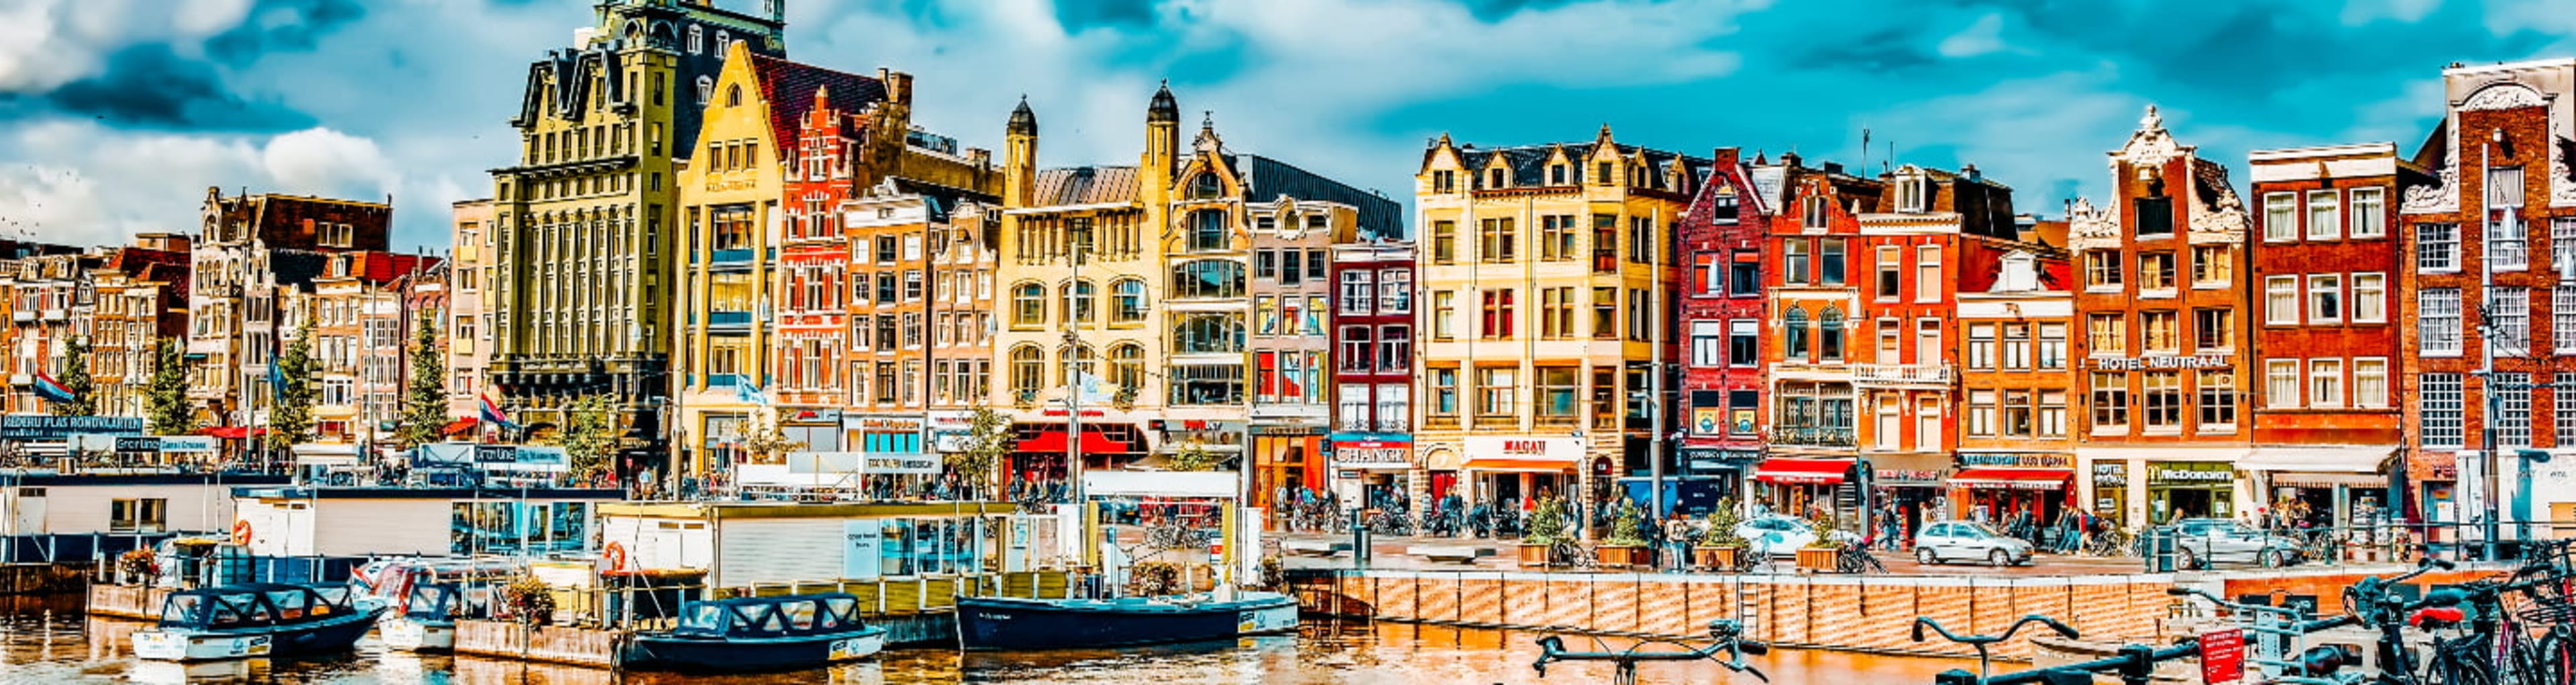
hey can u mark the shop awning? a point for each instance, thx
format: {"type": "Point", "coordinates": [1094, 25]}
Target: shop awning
{"type": "Point", "coordinates": [2012, 479]}
{"type": "Point", "coordinates": [1521, 465]}
{"type": "Point", "coordinates": [232, 432]}
{"type": "Point", "coordinates": [2328, 480]}
{"type": "Point", "coordinates": [2340, 459]}
{"type": "Point", "coordinates": [459, 426]}
{"type": "Point", "coordinates": [1052, 442]}
{"type": "Point", "coordinates": [1803, 471]}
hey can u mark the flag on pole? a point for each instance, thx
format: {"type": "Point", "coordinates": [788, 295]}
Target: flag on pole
{"type": "Point", "coordinates": [490, 412]}
{"type": "Point", "coordinates": [52, 390]}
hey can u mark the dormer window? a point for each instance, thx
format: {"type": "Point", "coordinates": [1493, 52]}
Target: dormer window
{"type": "Point", "coordinates": [1913, 194]}
{"type": "Point", "coordinates": [733, 95]}
{"type": "Point", "coordinates": [1493, 178]}
{"type": "Point", "coordinates": [1815, 215]}
{"type": "Point", "coordinates": [1556, 174]}
{"type": "Point", "coordinates": [1601, 175]}
{"type": "Point", "coordinates": [1206, 186]}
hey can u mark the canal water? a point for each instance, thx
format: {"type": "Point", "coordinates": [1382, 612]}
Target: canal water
{"type": "Point", "coordinates": [63, 647]}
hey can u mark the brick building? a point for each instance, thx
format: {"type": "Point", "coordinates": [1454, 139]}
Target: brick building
{"type": "Point", "coordinates": [1812, 448]}
{"type": "Point", "coordinates": [253, 265]}
{"type": "Point", "coordinates": [1373, 325]}
{"type": "Point", "coordinates": [1721, 315]}
{"type": "Point", "coordinates": [2016, 311]}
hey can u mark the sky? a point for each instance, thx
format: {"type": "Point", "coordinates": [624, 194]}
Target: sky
{"type": "Point", "coordinates": [116, 115]}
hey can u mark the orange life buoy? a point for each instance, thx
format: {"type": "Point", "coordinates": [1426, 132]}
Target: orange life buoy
{"type": "Point", "coordinates": [241, 532]}
{"type": "Point", "coordinates": [615, 554]}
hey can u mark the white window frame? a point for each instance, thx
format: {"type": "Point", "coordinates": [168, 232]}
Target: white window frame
{"type": "Point", "coordinates": [2368, 208]}
{"type": "Point", "coordinates": [2508, 317]}
{"type": "Point", "coordinates": [2325, 383]}
{"type": "Point", "coordinates": [2324, 213]}
{"type": "Point", "coordinates": [2280, 375]}
{"type": "Point", "coordinates": [2280, 217]}
{"type": "Point", "coordinates": [2377, 311]}
{"type": "Point", "coordinates": [2375, 393]}
{"type": "Point", "coordinates": [2275, 290]}
{"type": "Point", "coordinates": [2440, 255]}
{"type": "Point", "coordinates": [2438, 321]}
{"type": "Point", "coordinates": [2322, 286]}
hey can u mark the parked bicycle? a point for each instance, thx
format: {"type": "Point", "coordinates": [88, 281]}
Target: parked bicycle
{"type": "Point", "coordinates": [1727, 647]}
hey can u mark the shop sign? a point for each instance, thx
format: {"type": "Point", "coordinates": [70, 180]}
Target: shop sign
{"type": "Point", "coordinates": [950, 440]}
{"type": "Point", "coordinates": [1201, 432]}
{"type": "Point", "coordinates": [166, 443]}
{"type": "Point", "coordinates": [2158, 362]}
{"type": "Point", "coordinates": [809, 416]}
{"type": "Point", "coordinates": [2021, 461]}
{"type": "Point", "coordinates": [60, 427]}
{"type": "Point", "coordinates": [952, 420]}
{"type": "Point", "coordinates": [1708, 420]}
{"type": "Point", "coordinates": [885, 423]}
{"type": "Point", "coordinates": [903, 464]}
{"type": "Point", "coordinates": [1911, 477]}
{"type": "Point", "coordinates": [1348, 457]}
{"type": "Point", "coordinates": [2111, 475]}
{"type": "Point", "coordinates": [1706, 461]}
{"type": "Point", "coordinates": [1086, 413]}
{"type": "Point", "coordinates": [2191, 474]}
{"type": "Point", "coordinates": [1569, 450]}
{"type": "Point", "coordinates": [1744, 421]}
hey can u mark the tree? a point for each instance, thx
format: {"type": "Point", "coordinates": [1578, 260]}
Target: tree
{"type": "Point", "coordinates": [1195, 456]}
{"type": "Point", "coordinates": [76, 380]}
{"type": "Point", "coordinates": [988, 438]}
{"type": "Point", "coordinates": [766, 442]}
{"type": "Point", "coordinates": [589, 436]}
{"type": "Point", "coordinates": [290, 418]}
{"type": "Point", "coordinates": [424, 415]}
{"type": "Point", "coordinates": [172, 413]}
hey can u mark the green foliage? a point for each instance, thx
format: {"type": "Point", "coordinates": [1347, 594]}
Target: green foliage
{"type": "Point", "coordinates": [589, 436]}
{"type": "Point", "coordinates": [1721, 526]}
{"type": "Point", "coordinates": [529, 601]}
{"type": "Point", "coordinates": [76, 379]}
{"type": "Point", "coordinates": [766, 442]}
{"type": "Point", "coordinates": [172, 413]}
{"type": "Point", "coordinates": [1625, 526]}
{"type": "Point", "coordinates": [1822, 521]}
{"type": "Point", "coordinates": [290, 419]}
{"type": "Point", "coordinates": [1547, 523]}
{"type": "Point", "coordinates": [424, 413]}
{"type": "Point", "coordinates": [1194, 456]}
{"type": "Point", "coordinates": [988, 439]}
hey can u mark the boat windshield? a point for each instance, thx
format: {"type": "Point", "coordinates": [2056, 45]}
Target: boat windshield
{"type": "Point", "coordinates": [705, 618]}
{"type": "Point", "coordinates": [182, 610]}
{"type": "Point", "coordinates": [429, 601]}
{"type": "Point", "coordinates": [766, 617]}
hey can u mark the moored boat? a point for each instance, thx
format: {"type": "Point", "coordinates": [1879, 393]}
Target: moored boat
{"type": "Point", "coordinates": [1004, 623]}
{"type": "Point", "coordinates": [759, 634]}
{"type": "Point", "coordinates": [257, 619]}
{"type": "Point", "coordinates": [427, 621]}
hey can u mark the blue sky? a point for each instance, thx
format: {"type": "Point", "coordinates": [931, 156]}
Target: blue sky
{"type": "Point", "coordinates": [115, 115]}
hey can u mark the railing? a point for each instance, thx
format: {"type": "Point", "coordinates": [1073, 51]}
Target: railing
{"type": "Point", "coordinates": [1815, 436]}
{"type": "Point", "coordinates": [729, 257]}
{"type": "Point", "coordinates": [1904, 374]}
{"type": "Point", "coordinates": [725, 318]}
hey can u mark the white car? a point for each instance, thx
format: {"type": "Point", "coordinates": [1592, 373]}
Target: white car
{"type": "Point", "coordinates": [1948, 541]}
{"type": "Point", "coordinates": [1773, 535]}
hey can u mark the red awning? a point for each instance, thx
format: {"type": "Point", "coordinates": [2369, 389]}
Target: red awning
{"type": "Point", "coordinates": [232, 432]}
{"type": "Point", "coordinates": [1520, 465]}
{"type": "Point", "coordinates": [1052, 442]}
{"type": "Point", "coordinates": [2012, 479]}
{"type": "Point", "coordinates": [459, 426]}
{"type": "Point", "coordinates": [1803, 471]}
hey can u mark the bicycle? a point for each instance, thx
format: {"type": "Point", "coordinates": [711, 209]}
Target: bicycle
{"type": "Point", "coordinates": [1728, 637]}
{"type": "Point", "coordinates": [1573, 554]}
{"type": "Point", "coordinates": [2111, 543]}
{"type": "Point", "coordinates": [1854, 557]}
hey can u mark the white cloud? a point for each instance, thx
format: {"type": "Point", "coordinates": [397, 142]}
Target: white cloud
{"type": "Point", "coordinates": [47, 43]}
{"type": "Point", "coordinates": [100, 186]}
{"type": "Point", "coordinates": [2034, 134]}
{"type": "Point", "coordinates": [1983, 37]}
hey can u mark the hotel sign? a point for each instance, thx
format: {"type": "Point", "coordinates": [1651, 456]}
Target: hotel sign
{"type": "Point", "coordinates": [2202, 361]}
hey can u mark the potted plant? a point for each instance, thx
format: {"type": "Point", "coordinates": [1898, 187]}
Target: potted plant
{"type": "Point", "coordinates": [529, 601]}
{"type": "Point", "coordinates": [1821, 553]}
{"type": "Point", "coordinates": [137, 566]}
{"type": "Point", "coordinates": [1624, 546]}
{"type": "Point", "coordinates": [1720, 547]}
{"type": "Point", "coordinates": [1547, 526]}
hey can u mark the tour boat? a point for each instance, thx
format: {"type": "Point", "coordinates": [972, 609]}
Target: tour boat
{"type": "Point", "coordinates": [257, 619]}
{"type": "Point", "coordinates": [427, 622]}
{"type": "Point", "coordinates": [1004, 623]}
{"type": "Point", "coordinates": [759, 634]}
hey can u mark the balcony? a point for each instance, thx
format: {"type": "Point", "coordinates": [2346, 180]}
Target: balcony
{"type": "Point", "coordinates": [729, 320]}
{"type": "Point", "coordinates": [729, 259]}
{"type": "Point", "coordinates": [1815, 436]}
{"type": "Point", "coordinates": [1916, 375]}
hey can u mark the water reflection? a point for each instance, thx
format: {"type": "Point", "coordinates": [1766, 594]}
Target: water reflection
{"type": "Point", "coordinates": [68, 648]}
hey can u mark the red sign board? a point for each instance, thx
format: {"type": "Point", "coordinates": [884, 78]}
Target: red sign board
{"type": "Point", "coordinates": [2222, 656]}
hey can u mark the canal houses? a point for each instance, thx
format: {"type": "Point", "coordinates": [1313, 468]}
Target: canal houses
{"type": "Point", "coordinates": [1722, 316]}
{"type": "Point", "coordinates": [1374, 329]}
{"type": "Point", "coordinates": [1813, 447]}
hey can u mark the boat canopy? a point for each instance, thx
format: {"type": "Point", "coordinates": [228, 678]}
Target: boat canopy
{"type": "Point", "coordinates": [449, 601]}
{"type": "Point", "coordinates": [251, 605]}
{"type": "Point", "coordinates": [772, 616]}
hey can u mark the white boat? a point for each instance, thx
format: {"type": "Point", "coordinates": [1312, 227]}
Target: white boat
{"type": "Point", "coordinates": [259, 619]}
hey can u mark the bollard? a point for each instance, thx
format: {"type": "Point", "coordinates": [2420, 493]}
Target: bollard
{"type": "Point", "coordinates": [1359, 543]}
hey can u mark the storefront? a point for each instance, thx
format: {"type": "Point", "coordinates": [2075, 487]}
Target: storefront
{"type": "Point", "coordinates": [2179, 490]}
{"type": "Point", "coordinates": [1512, 469]}
{"type": "Point", "coordinates": [2314, 487]}
{"type": "Point", "coordinates": [2023, 492]}
{"type": "Point", "coordinates": [2111, 493]}
{"type": "Point", "coordinates": [1710, 475]}
{"type": "Point", "coordinates": [1286, 458]}
{"type": "Point", "coordinates": [1369, 466]}
{"type": "Point", "coordinates": [1794, 486]}
{"type": "Point", "coordinates": [1910, 487]}
{"type": "Point", "coordinates": [1040, 451]}
{"type": "Point", "coordinates": [2435, 477]}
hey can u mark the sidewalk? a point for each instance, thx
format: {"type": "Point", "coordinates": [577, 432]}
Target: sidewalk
{"type": "Point", "coordinates": [1393, 553]}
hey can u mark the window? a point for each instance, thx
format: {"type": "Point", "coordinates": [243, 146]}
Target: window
{"type": "Point", "coordinates": [2513, 408]}
{"type": "Point", "coordinates": [1497, 314]}
{"type": "Point", "coordinates": [2213, 266]}
{"type": "Point", "coordinates": [1028, 372]}
{"type": "Point", "coordinates": [697, 39]}
{"type": "Point", "coordinates": [2562, 248]}
{"type": "Point", "coordinates": [2437, 322]}
{"type": "Point", "coordinates": [2051, 417]}
{"type": "Point", "coordinates": [1829, 254]}
{"type": "Point", "coordinates": [1742, 344]}
{"type": "Point", "coordinates": [2162, 395]}
{"type": "Point", "coordinates": [2217, 399]}
{"type": "Point", "coordinates": [1794, 326]}
{"type": "Point", "coordinates": [1981, 346]}
{"type": "Point", "coordinates": [1605, 312]}
{"type": "Point", "coordinates": [2437, 247]}
{"type": "Point", "coordinates": [2504, 187]}
{"type": "Point", "coordinates": [1207, 230]}
{"type": "Point", "coordinates": [2281, 300]}
{"type": "Point", "coordinates": [1891, 271]}
{"type": "Point", "coordinates": [1927, 273]}
{"type": "Point", "coordinates": [1556, 392]}
{"type": "Point", "coordinates": [2369, 298]}
{"type": "Point", "coordinates": [2323, 221]}
{"type": "Point", "coordinates": [1444, 315]}
{"type": "Point", "coordinates": [2325, 298]}
{"type": "Point", "coordinates": [1793, 256]}
{"type": "Point", "coordinates": [2102, 269]}
{"type": "Point", "coordinates": [1081, 304]}
{"type": "Point", "coordinates": [1207, 278]}
{"type": "Point", "coordinates": [2280, 216]}
{"type": "Point", "coordinates": [2019, 415]}
{"type": "Point", "coordinates": [1359, 296]}
{"type": "Point", "coordinates": [1127, 301]}
{"type": "Point", "coordinates": [2156, 271]}
{"type": "Point", "coordinates": [1494, 388]}
{"type": "Point", "coordinates": [2107, 334]}
{"type": "Point", "coordinates": [1395, 349]}
{"type": "Point", "coordinates": [2216, 328]}
{"type": "Point", "coordinates": [1815, 216]}
{"type": "Point", "coordinates": [1888, 342]}
{"type": "Point", "coordinates": [2369, 212]}
{"type": "Point", "coordinates": [1444, 392]}
{"type": "Point", "coordinates": [1395, 291]}
{"type": "Point", "coordinates": [1744, 276]}
{"type": "Point", "coordinates": [1708, 343]}
{"type": "Point", "coordinates": [2443, 402]}
{"type": "Point", "coordinates": [2563, 399]}
{"type": "Point", "coordinates": [1495, 242]}
{"type": "Point", "coordinates": [1265, 263]}
{"type": "Point", "coordinates": [2370, 383]}
{"type": "Point", "coordinates": [2110, 401]}
{"type": "Point", "coordinates": [138, 515]}
{"type": "Point", "coordinates": [2509, 244]}
{"type": "Point", "coordinates": [1357, 349]}
{"type": "Point", "coordinates": [2325, 383]}
{"type": "Point", "coordinates": [1705, 278]}
{"type": "Point", "coordinates": [1028, 304]}
{"type": "Point", "coordinates": [2160, 331]}
{"type": "Point", "coordinates": [1556, 174]}
{"type": "Point", "coordinates": [1982, 405]}
{"type": "Point", "coordinates": [2509, 315]}
{"type": "Point", "coordinates": [1556, 236]}
{"type": "Point", "coordinates": [1208, 333]}
{"type": "Point", "coordinates": [1927, 341]}
{"type": "Point", "coordinates": [1444, 242]}
{"type": "Point", "coordinates": [2052, 346]}
{"type": "Point", "coordinates": [1556, 312]}
{"type": "Point", "coordinates": [1829, 335]}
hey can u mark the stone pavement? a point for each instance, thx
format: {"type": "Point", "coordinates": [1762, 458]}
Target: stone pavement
{"type": "Point", "coordinates": [1503, 555]}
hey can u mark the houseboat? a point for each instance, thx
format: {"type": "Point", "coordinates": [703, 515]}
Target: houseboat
{"type": "Point", "coordinates": [1004, 623]}
{"type": "Point", "coordinates": [759, 634]}
{"type": "Point", "coordinates": [349, 522]}
{"type": "Point", "coordinates": [258, 619]}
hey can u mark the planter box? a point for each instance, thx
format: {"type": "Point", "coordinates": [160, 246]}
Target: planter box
{"type": "Point", "coordinates": [1816, 560]}
{"type": "Point", "coordinates": [1534, 555]}
{"type": "Point", "coordinates": [1718, 558]}
{"type": "Point", "coordinates": [1620, 557]}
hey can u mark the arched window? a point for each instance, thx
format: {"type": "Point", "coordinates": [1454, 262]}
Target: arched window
{"type": "Point", "coordinates": [1128, 305]}
{"type": "Point", "coordinates": [733, 95]}
{"type": "Point", "coordinates": [1028, 372]}
{"type": "Point", "coordinates": [1077, 362]}
{"type": "Point", "coordinates": [1794, 326]}
{"type": "Point", "coordinates": [706, 89]}
{"type": "Point", "coordinates": [723, 39]}
{"type": "Point", "coordinates": [1207, 278]}
{"type": "Point", "coordinates": [1204, 333]}
{"type": "Point", "coordinates": [1081, 302]}
{"type": "Point", "coordinates": [697, 38]}
{"type": "Point", "coordinates": [1831, 334]}
{"type": "Point", "coordinates": [1127, 367]}
{"type": "Point", "coordinates": [1028, 304]}
{"type": "Point", "coordinates": [1207, 230]}
{"type": "Point", "coordinates": [1206, 186]}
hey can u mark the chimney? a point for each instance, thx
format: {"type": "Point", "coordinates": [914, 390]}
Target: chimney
{"type": "Point", "coordinates": [1789, 159]}
{"type": "Point", "coordinates": [1833, 167]}
{"type": "Point", "coordinates": [1970, 170]}
{"type": "Point", "coordinates": [1724, 156]}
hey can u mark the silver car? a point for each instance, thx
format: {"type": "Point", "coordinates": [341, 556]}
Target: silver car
{"type": "Point", "coordinates": [2201, 542]}
{"type": "Point", "coordinates": [1947, 541]}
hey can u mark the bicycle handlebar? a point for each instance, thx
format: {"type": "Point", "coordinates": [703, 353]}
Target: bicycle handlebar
{"type": "Point", "coordinates": [1920, 622]}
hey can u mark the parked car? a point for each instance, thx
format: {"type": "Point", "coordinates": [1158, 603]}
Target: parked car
{"type": "Point", "coordinates": [1774, 535]}
{"type": "Point", "coordinates": [2201, 542]}
{"type": "Point", "coordinates": [1947, 541]}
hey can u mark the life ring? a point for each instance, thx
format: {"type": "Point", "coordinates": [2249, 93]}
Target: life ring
{"type": "Point", "coordinates": [241, 532]}
{"type": "Point", "coordinates": [615, 555]}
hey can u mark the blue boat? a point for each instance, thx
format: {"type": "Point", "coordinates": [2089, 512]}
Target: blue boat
{"type": "Point", "coordinates": [754, 634]}
{"type": "Point", "coordinates": [1003, 623]}
{"type": "Point", "coordinates": [257, 619]}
